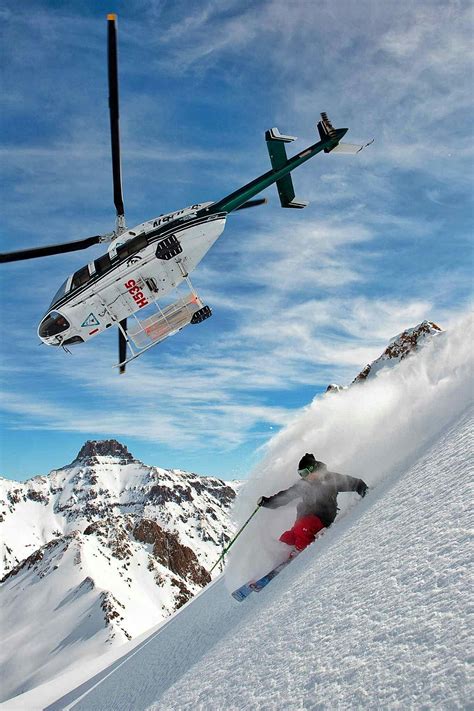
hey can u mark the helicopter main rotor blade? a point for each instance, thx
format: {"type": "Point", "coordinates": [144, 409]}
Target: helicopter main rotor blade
{"type": "Point", "coordinates": [122, 345]}
{"type": "Point", "coordinates": [50, 249]}
{"type": "Point", "coordinates": [114, 111]}
{"type": "Point", "coordinates": [253, 203]}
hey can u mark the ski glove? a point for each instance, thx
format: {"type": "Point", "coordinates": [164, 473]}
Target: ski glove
{"type": "Point", "coordinates": [362, 488]}
{"type": "Point", "coordinates": [263, 500]}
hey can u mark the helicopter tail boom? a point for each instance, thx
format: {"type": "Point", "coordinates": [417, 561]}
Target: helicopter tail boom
{"type": "Point", "coordinates": [281, 169]}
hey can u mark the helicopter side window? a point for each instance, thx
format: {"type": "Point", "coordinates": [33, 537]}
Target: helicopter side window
{"type": "Point", "coordinates": [102, 264]}
{"type": "Point", "coordinates": [60, 293]}
{"type": "Point", "coordinates": [80, 277]}
{"type": "Point", "coordinates": [132, 246]}
{"type": "Point", "coordinates": [53, 324]}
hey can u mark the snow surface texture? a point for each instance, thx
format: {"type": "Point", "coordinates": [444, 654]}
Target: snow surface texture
{"type": "Point", "coordinates": [372, 430]}
{"type": "Point", "coordinates": [374, 615]}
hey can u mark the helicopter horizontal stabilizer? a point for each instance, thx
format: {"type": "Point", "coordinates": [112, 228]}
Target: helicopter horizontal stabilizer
{"type": "Point", "coordinates": [278, 158]}
{"type": "Point", "coordinates": [350, 148]}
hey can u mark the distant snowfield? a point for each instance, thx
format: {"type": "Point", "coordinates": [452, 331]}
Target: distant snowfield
{"type": "Point", "coordinates": [374, 615]}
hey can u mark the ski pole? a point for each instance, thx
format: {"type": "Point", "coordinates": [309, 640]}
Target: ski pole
{"type": "Point", "coordinates": [234, 539]}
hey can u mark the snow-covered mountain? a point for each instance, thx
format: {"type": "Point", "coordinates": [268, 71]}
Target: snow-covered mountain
{"type": "Point", "coordinates": [96, 552]}
{"type": "Point", "coordinates": [374, 615]}
{"type": "Point", "coordinates": [105, 481]}
{"type": "Point", "coordinates": [400, 347]}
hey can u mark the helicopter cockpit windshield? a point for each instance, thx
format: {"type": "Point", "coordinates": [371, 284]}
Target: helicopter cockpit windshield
{"type": "Point", "coordinates": [52, 324]}
{"type": "Point", "coordinates": [59, 294]}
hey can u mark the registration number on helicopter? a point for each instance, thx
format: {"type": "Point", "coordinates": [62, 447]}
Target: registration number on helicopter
{"type": "Point", "coordinates": [135, 292]}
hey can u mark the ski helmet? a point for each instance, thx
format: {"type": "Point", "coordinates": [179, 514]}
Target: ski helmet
{"type": "Point", "coordinates": [309, 464]}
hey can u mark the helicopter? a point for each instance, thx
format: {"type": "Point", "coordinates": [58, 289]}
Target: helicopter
{"type": "Point", "coordinates": [144, 265]}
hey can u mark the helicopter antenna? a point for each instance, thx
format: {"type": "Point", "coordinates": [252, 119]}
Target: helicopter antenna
{"type": "Point", "coordinates": [114, 121]}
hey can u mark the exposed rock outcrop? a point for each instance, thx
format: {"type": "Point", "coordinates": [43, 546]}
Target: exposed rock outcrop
{"type": "Point", "coordinates": [93, 449]}
{"type": "Point", "coordinates": [171, 553]}
{"type": "Point", "coordinates": [400, 347]}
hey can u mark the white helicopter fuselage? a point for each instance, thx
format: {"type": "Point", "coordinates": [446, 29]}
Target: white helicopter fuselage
{"type": "Point", "coordinates": [141, 266]}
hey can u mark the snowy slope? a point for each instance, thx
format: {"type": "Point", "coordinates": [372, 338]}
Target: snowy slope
{"type": "Point", "coordinates": [372, 430]}
{"type": "Point", "coordinates": [375, 614]}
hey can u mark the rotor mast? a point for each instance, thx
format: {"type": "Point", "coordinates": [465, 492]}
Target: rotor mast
{"type": "Point", "coordinates": [114, 121]}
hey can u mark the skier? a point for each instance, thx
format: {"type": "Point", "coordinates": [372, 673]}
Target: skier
{"type": "Point", "coordinates": [317, 491]}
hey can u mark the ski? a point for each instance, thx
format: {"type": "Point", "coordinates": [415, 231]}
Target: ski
{"type": "Point", "coordinates": [242, 592]}
{"type": "Point", "coordinates": [256, 585]}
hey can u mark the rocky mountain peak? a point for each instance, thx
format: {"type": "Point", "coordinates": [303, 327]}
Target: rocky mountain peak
{"type": "Point", "coordinates": [407, 341]}
{"type": "Point", "coordinates": [400, 347]}
{"type": "Point", "coordinates": [104, 448]}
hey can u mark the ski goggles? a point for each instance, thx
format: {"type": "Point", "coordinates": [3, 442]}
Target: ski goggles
{"type": "Point", "coordinates": [307, 470]}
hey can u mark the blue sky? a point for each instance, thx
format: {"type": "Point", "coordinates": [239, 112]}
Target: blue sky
{"type": "Point", "coordinates": [300, 298]}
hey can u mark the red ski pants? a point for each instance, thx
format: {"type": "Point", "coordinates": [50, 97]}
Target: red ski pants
{"type": "Point", "coordinates": [303, 532]}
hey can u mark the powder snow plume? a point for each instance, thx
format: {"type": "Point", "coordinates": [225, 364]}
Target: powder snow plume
{"type": "Point", "coordinates": [372, 430]}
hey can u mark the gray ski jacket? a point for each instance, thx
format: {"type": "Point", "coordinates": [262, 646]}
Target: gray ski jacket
{"type": "Point", "coordinates": [318, 497]}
